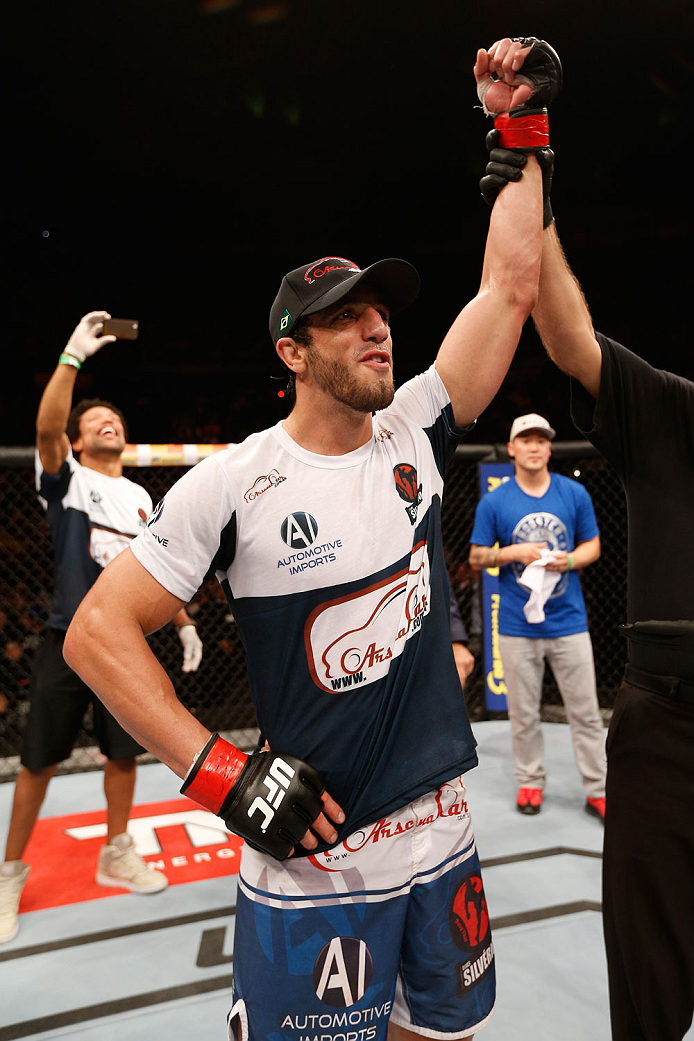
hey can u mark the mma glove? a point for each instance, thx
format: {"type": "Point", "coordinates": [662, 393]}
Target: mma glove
{"type": "Point", "coordinates": [506, 164]}
{"type": "Point", "coordinates": [524, 130]}
{"type": "Point", "coordinates": [268, 799]}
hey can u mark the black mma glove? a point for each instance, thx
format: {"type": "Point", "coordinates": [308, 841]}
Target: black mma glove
{"type": "Point", "coordinates": [524, 129]}
{"type": "Point", "coordinates": [526, 126]}
{"type": "Point", "coordinates": [506, 164]}
{"type": "Point", "coordinates": [268, 799]}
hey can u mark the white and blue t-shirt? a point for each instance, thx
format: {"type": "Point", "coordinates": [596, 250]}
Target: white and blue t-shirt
{"type": "Point", "coordinates": [93, 517]}
{"type": "Point", "coordinates": [563, 517]}
{"type": "Point", "coordinates": [335, 571]}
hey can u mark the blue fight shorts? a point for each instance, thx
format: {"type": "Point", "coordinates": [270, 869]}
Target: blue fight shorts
{"type": "Point", "coordinates": [391, 923]}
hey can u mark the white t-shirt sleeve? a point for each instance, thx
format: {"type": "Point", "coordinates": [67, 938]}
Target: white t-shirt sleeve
{"type": "Point", "coordinates": [183, 534]}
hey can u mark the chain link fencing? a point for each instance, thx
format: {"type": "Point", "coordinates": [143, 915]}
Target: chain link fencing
{"type": "Point", "coordinates": [218, 693]}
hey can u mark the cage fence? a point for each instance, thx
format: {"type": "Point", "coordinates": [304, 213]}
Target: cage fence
{"type": "Point", "coordinates": [218, 693]}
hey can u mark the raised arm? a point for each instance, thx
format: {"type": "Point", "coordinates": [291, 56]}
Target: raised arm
{"type": "Point", "coordinates": [56, 401]}
{"type": "Point", "coordinates": [477, 351]}
{"type": "Point", "coordinates": [560, 314]}
{"type": "Point", "coordinates": [562, 317]}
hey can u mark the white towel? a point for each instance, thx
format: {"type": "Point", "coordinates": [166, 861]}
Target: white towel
{"type": "Point", "coordinates": [540, 583]}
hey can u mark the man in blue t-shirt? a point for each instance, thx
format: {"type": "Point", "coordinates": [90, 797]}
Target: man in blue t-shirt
{"type": "Point", "coordinates": [538, 528]}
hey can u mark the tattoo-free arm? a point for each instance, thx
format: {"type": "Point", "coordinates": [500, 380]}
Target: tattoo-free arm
{"type": "Point", "coordinates": [106, 646]}
{"type": "Point", "coordinates": [562, 317]}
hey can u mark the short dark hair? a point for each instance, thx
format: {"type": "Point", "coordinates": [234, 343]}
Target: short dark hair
{"type": "Point", "coordinates": [73, 423]}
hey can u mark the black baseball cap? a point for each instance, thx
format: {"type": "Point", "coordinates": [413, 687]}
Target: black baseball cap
{"type": "Point", "coordinates": [312, 287]}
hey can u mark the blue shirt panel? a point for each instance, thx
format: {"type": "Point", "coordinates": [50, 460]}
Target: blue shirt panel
{"type": "Point", "coordinates": [381, 745]}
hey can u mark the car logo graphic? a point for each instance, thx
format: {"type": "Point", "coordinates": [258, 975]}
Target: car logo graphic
{"type": "Point", "coordinates": [351, 641]}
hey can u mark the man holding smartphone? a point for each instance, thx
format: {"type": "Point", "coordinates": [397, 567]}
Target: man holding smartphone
{"type": "Point", "coordinates": [94, 513]}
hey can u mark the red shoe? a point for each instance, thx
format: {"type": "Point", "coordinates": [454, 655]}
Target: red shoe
{"type": "Point", "coordinates": [529, 800]}
{"type": "Point", "coordinates": [596, 808]}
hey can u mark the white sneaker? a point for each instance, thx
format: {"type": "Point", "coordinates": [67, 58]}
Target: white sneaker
{"type": "Point", "coordinates": [13, 875]}
{"type": "Point", "coordinates": [120, 865]}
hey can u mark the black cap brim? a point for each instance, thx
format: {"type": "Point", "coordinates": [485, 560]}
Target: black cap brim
{"type": "Point", "coordinates": [396, 280]}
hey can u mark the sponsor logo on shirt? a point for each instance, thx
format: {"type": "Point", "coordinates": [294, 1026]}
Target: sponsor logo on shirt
{"type": "Point", "coordinates": [351, 641]}
{"type": "Point", "coordinates": [408, 488]}
{"type": "Point", "coordinates": [263, 484]}
{"type": "Point", "coordinates": [156, 513]}
{"type": "Point", "coordinates": [311, 557]}
{"type": "Point", "coordinates": [384, 435]}
{"type": "Point", "coordinates": [299, 530]}
{"type": "Point", "coordinates": [154, 517]}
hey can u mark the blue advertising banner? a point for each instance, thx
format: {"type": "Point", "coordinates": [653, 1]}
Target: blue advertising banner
{"type": "Point", "coordinates": [491, 475]}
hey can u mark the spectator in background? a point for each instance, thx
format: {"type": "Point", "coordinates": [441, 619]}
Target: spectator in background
{"type": "Point", "coordinates": [541, 525]}
{"type": "Point", "coordinates": [94, 512]}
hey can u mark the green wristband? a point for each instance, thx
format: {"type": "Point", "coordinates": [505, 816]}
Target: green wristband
{"type": "Point", "coordinates": [570, 560]}
{"type": "Point", "coordinates": [69, 359]}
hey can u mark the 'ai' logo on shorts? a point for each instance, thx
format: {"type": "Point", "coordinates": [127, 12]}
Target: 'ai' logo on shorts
{"type": "Point", "coordinates": [299, 530]}
{"type": "Point", "coordinates": [343, 971]}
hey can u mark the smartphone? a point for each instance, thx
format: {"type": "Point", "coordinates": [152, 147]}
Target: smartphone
{"type": "Point", "coordinates": [123, 328]}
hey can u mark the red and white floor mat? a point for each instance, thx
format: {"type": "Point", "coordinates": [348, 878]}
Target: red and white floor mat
{"type": "Point", "coordinates": [177, 837]}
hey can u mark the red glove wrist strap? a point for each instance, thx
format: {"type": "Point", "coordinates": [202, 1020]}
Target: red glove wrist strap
{"type": "Point", "coordinates": [214, 773]}
{"type": "Point", "coordinates": [522, 131]}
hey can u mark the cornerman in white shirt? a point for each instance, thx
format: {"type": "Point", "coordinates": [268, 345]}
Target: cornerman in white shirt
{"type": "Point", "coordinates": [94, 513]}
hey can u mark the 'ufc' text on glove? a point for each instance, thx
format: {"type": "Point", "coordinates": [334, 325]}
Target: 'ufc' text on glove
{"type": "Point", "coordinates": [267, 798]}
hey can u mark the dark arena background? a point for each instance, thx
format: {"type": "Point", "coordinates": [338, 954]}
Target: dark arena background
{"type": "Point", "coordinates": [170, 159]}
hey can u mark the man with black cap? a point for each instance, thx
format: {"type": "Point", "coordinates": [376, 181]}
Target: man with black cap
{"type": "Point", "coordinates": [539, 529]}
{"type": "Point", "coordinates": [360, 898]}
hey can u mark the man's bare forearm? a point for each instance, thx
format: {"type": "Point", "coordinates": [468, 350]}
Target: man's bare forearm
{"type": "Point", "coordinates": [482, 557]}
{"type": "Point", "coordinates": [586, 552]}
{"type": "Point", "coordinates": [562, 317]}
{"type": "Point", "coordinates": [56, 402]}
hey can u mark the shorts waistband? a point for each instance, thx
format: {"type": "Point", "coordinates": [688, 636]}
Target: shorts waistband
{"type": "Point", "coordinates": [668, 686]}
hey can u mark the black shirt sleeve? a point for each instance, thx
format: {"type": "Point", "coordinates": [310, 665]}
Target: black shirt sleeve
{"type": "Point", "coordinates": [640, 413]}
